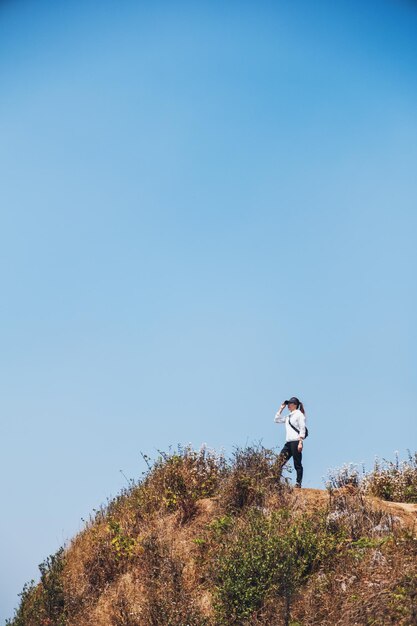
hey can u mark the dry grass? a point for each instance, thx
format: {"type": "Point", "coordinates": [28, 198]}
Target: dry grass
{"type": "Point", "coordinates": [202, 541]}
{"type": "Point", "coordinates": [394, 481]}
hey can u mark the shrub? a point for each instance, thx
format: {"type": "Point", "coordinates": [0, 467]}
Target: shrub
{"type": "Point", "coordinates": [29, 606]}
{"type": "Point", "coordinates": [394, 481]}
{"type": "Point", "coordinates": [101, 562]}
{"type": "Point", "coordinates": [253, 473]}
{"type": "Point", "coordinates": [266, 556]}
{"type": "Point", "coordinates": [44, 604]}
{"type": "Point", "coordinates": [403, 600]}
{"type": "Point", "coordinates": [124, 545]}
{"type": "Point", "coordinates": [348, 476]}
{"type": "Point", "coordinates": [177, 480]}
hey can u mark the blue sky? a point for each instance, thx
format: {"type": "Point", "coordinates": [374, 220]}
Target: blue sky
{"type": "Point", "coordinates": [204, 210]}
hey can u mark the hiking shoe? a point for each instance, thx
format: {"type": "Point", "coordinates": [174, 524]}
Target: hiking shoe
{"type": "Point", "coordinates": [297, 486]}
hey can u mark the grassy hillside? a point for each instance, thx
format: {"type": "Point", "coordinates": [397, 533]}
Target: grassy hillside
{"type": "Point", "coordinates": [204, 541]}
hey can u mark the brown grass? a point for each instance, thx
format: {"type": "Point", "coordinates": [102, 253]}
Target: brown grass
{"type": "Point", "coordinates": [149, 557]}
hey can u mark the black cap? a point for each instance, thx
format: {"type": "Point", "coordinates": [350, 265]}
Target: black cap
{"type": "Point", "coordinates": [293, 400]}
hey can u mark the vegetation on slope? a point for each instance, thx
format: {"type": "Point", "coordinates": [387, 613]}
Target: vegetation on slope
{"type": "Point", "coordinates": [205, 541]}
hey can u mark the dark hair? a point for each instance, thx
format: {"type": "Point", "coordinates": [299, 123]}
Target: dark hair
{"type": "Point", "coordinates": [301, 407]}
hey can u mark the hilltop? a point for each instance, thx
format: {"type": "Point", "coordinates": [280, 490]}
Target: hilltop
{"type": "Point", "coordinates": [205, 541]}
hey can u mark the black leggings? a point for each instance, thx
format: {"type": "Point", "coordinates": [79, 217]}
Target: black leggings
{"type": "Point", "coordinates": [291, 450]}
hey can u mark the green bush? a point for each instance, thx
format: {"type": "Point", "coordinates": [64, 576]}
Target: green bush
{"type": "Point", "coordinates": [124, 546]}
{"type": "Point", "coordinates": [29, 606]}
{"type": "Point", "coordinates": [403, 600]}
{"type": "Point", "coordinates": [264, 556]}
{"type": "Point", "coordinates": [44, 604]}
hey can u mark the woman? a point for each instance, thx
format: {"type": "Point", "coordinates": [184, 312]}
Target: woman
{"type": "Point", "coordinates": [295, 425]}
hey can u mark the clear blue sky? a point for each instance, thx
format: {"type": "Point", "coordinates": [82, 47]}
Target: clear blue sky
{"type": "Point", "coordinates": [204, 209]}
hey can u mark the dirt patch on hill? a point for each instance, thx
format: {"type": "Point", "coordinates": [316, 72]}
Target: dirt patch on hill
{"type": "Point", "coordinates": [403, 512]}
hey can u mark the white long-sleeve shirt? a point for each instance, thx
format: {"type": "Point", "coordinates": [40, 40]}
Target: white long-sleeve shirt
{"type": "Point", "coordinates": [297, 419]}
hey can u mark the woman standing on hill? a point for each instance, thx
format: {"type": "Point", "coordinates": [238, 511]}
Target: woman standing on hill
{"type": "Point", "coordinates": [295, 426]}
